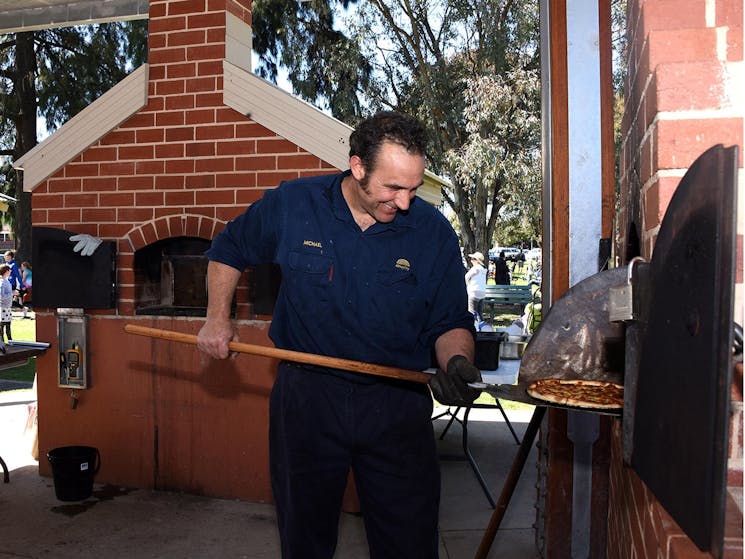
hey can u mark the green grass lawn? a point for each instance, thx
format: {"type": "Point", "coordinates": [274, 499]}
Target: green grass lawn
{"type": "Point", "coordinates": [24, 330]}
{"type": "Point", "coordinates": [488, 399]}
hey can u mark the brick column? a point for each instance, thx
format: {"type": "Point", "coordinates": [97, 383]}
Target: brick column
{"type": "Point", "coordinates": [682, 98]}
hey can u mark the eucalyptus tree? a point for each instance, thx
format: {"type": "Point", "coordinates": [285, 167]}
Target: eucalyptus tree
{"type": "Point", "coordinates": [497, 168]}
{"type": "Point", "coordinates": [325, 65]}
{"type": "Point", "coordinates": [53, 74]}
{"type": "Point", "coordinates": [427, 58]}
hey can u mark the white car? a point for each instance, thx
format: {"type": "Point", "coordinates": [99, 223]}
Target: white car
{"type": "Point", "coordinates": [534, 254]}
{"type": "Point", "coordinates": [509, 252]}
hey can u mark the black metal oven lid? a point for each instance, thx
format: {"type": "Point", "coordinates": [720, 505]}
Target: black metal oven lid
{"type": "Point", "coordinates": [576, 338]}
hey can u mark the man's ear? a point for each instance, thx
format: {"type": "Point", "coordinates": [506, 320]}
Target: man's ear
{"type": "Point", "coordinates": [357, 167]}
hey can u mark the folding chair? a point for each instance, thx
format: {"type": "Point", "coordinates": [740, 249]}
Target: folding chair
{"type": "Point", "coordinates": [464, 430]}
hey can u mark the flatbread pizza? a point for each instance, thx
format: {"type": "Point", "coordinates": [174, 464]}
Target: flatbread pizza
{"type": "Point", "coordinates": [581, 393]}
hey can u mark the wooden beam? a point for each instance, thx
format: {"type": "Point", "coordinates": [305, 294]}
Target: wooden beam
{"type": "Point", "coordinates": [559, 150]}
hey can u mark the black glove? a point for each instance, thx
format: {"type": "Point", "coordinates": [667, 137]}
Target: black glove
{"type": "Point", "coordinates": [451, 387]}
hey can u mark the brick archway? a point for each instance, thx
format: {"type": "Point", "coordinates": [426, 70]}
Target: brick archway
{"type": "Point", "coordinates": [161, 228]}
{"type": "Point", "coordinates": [181, 225]}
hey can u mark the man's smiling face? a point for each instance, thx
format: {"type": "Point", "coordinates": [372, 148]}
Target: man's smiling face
{"type": "Point", "coordinates": [391, 185]}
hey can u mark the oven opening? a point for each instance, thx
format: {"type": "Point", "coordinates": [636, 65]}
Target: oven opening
{"type": "Point", "coordinates": [171, 277]}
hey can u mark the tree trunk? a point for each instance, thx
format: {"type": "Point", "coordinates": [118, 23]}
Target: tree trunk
{"type": "Point", "coordinates": [25, 136]}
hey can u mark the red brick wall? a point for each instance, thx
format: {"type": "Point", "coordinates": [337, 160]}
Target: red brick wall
{"type": "Point", "coordinates": [680, 101]}
{"type": "Point", "coordinates": [186, 163]}
{"type": "Point", "coordinates": [640, 528]}
{"type": "Point", "coordinates": [161, 415]}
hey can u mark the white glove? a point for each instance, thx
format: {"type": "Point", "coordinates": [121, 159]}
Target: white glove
{"type": "Point", "coordinates": [86, 244]}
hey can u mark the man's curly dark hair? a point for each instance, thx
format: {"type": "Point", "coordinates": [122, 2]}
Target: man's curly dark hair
{"type": "Point", "coordinates": [390, 126]}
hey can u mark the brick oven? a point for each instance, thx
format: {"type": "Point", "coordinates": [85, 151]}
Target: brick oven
{"type": "Point", "coordinates": [680, 100]}
{"type": "Point", "coordinates": [158, 165]}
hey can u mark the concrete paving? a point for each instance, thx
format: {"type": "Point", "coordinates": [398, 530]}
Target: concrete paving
{"type": "Point", "coordinates": [120, 522]}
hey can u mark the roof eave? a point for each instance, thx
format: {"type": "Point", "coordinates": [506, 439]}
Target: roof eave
{"type": "Point", "coordinates": [301, 123]}
{"type": "Point", "coordinates": [84, 129]}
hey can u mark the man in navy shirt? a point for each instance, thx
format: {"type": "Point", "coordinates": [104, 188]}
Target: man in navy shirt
{"type": "Point", "coordinates": [369, 273]}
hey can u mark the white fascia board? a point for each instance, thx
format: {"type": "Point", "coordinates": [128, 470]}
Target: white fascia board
{"type": "Point", "coordinates": [295, 120]}
{"type": "Point", "coordinates": [299, 122]}
{"type": "Point", "coordinates": [431, 190]}
{"type": "Point", "coordinates": [238, 42]}
{"type": "Point", "coordinates": [84, 129]}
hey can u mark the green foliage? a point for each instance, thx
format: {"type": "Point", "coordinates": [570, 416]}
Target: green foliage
{"type": "Point", "coordinates": [497, 169]}
{"type": "Point", "coordinates": [8, 178]}
{"type": "Point", "coordinates": [620, 71]}
{"type": "Point", "coordinates": [618, 40]}
{"type": "Point", "coordinates": [449, 62]}
{"type": "Point", "coordinates": [76, 65]}
{"type": "Point", "coordinates": [326, 66]}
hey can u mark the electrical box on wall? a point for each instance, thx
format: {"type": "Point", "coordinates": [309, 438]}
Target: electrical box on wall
{"type": "Point", "coordinates": [72, 335]}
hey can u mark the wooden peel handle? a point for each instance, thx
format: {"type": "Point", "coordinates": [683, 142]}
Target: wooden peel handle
{"type": "Point", "coordinates": [288, 355]}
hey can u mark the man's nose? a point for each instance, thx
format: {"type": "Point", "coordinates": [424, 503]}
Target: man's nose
{"type": "Point", "coordinates": [403, 200]}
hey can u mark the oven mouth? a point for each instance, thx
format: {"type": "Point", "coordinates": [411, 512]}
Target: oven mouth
{"type": "Point", "coordinates": [171, 277]}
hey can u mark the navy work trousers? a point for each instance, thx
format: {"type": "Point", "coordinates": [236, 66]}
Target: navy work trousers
{"type": "Point", "coordinates": [321, 425]}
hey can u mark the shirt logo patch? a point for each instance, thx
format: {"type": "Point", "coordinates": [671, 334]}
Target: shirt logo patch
{"type": "Point", "coordinates": [403, 264]}
{"type": "Point", "coordinates": [316, 244]}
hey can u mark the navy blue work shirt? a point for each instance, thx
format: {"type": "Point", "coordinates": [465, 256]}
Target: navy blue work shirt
{"type": "Point", "coordinates": [383, 295]}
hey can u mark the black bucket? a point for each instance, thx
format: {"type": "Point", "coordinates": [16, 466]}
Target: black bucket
{"type": "Point", "coordinates": [73, 469]}
{"type": "Point", "coordinates": [486, 356]}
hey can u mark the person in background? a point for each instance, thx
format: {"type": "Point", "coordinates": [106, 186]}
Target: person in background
{"type": "Point", "coordinates": [476, 283]}
{"type": "Point", "coordinates": [369, 273]}
{"type": "Point", "coordinates": [490, 272]}
{"type": "Point", "coordinates": [519, 261]}
{"type": "Point", "coordinates": [15, 279]}
{"type": "Point", "coordinates": [501, 270]}
{"type": "Point", "coordinates": [27, 276]}
{"type": "Point", "coordinates": [6, 304]}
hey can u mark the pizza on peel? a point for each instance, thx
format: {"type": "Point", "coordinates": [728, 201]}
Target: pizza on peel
{"type": "Point", "coordinates": [596, 394]}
